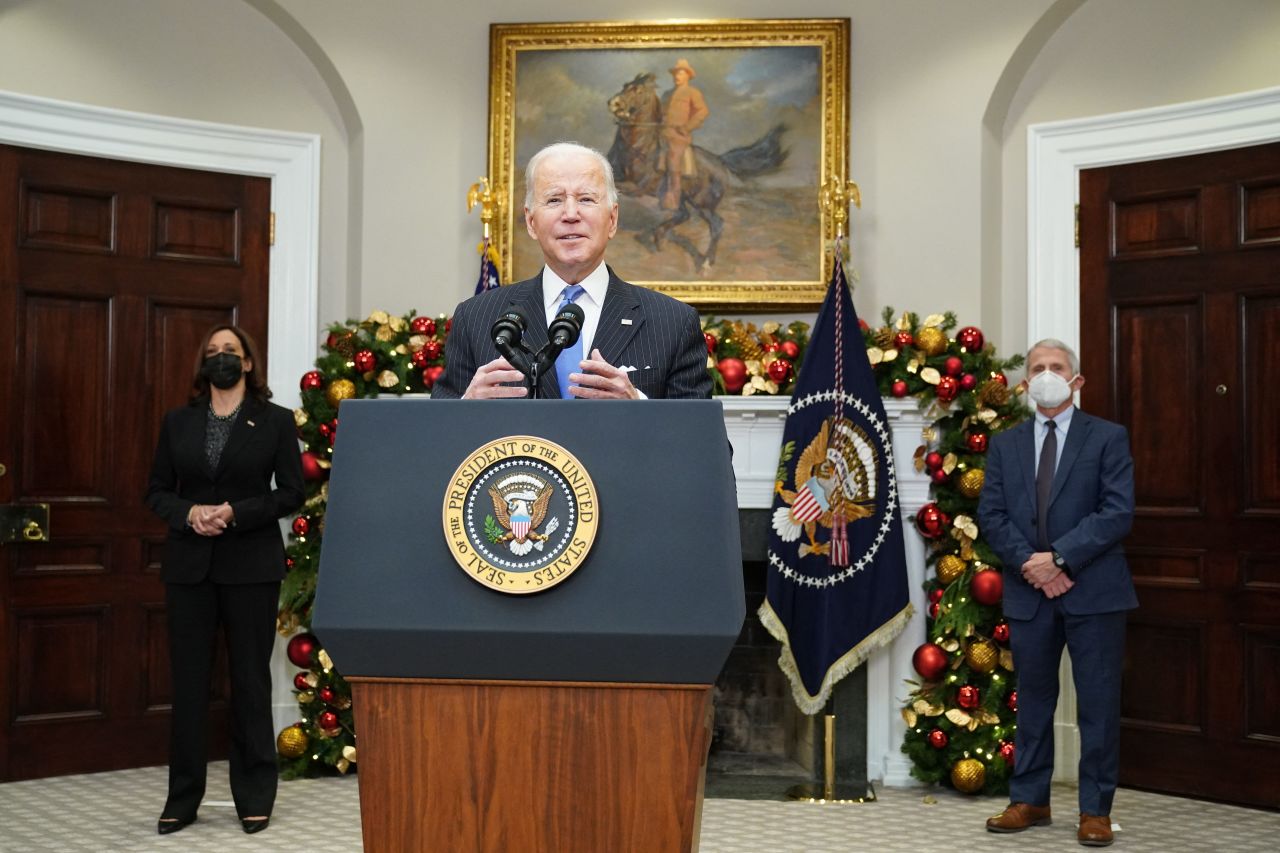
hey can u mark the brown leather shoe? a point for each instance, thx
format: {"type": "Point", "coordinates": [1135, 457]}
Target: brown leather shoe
{"type": "Point", "coordinates": [1019, 816]}
{"type": "Point", "coordinates": [1095, 830]}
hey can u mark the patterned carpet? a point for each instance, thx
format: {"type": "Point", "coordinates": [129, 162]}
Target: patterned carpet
{"type": "Point", "coordinates": [118, 811]}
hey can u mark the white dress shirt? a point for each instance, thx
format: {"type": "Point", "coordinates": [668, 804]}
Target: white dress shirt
{"type": "Point", "coordinates": [595, 285]}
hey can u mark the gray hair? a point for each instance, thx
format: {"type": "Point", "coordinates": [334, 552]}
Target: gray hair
{"type": "Point", "coordinates": [568, 148]}
{"type": "Point", "coordinates": [1053, 343]}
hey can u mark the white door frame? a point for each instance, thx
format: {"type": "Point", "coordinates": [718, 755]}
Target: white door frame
{"type": "Point", "coordinates": [290, 160]}
{"type": "Point", "coordinates": [1056, 152]}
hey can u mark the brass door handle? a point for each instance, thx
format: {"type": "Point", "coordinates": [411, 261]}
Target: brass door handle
{"type": "Point", "coordinates": [32, 532]}
{"type": "Point", "coordinates": [1222, 390]}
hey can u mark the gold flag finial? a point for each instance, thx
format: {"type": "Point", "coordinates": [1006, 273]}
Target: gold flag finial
{"type": "Point", "coordinates": [836, 196]}
{"type": "Point", "coordinates": [489, 200]}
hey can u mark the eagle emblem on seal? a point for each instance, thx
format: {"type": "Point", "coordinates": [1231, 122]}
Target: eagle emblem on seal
{"type": "Point", "coordinates": [519, 509]}
{"type": "Point", "coordinates": [835, 478]}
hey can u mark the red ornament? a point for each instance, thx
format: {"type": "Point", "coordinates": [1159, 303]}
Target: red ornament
{"type": "Point", "coordinates": [327, 720]}
{"type": "Point", "coordinates": [899, 388]}
{"type": "Point", "coordinates": [968, 697]}
{"type": "Point", "coordinates": [432, 349]}
{"type": "Point", "coordinates": [954, 366]}
{"type": "Point", "coordinates": [987, 587]}
{"type": "Point", "coordinates": [903, 339]}
{"type": "Point", "coordinates": [930, 661]}
{"type": "Point", "coordinates": [324, 429]}
{"type": "Point", "coordinates": [772, 346]}
{"type": "Point", "coordinates": [1000, 377]}
{"type": "Point", "coordinates": [448, 325]}
{"type": "Point", "coordinates": [933, 459]}
{"type": "Point", "coordinates": [430, 375]}
{"type": "Point", "coordinates": [976, 442]}
{"type": "Point", "coordinates": [420, 358]}
{"type": "Point", "coordinates": [734, 373]}
{"type": "Point", "coordinates": [862, 324]}
{"type": "Point", "coordinates": [939, 476]}
{"type": "Point", "coordinates": [300, 681]}
{"type": "Point", "coordinates": [938, 739]}
{"type": "Point", "coordinates": [931, 521]}
{"type": "Point", "coordinates": [947, 388]}
{"type": "Point", "coordinates": [311, 380]}
{"type": "Point", "coordinates": [365, 361]}
{"type": "Point", "coordinates": [327, 694]}
{"type": "Point", "coordinates": [301, 648]}
{"type": "Point", "coordinates": [288, 562]}
{"type": "Point", "coordinates": [1006, 752]}
{"type": "Point", "coordinates": [301, 525]}
{"type": "Point", "coordinates": [331, 341]}
{"type": "Point", "coordinates": [311, 469]}
{"type": "Point", "coordinates": [422, 326]}
{"type": "Point", "coordinates": [1012, 701]}
{"type": "Point", "coordinates": [970, 337]}
{"type": "Point", "coordinates": [933, 610]}
{"type": "Point", "coordinates": [711, 342]}
{"type": "Point", "coordinates": [790, 349]}
{"type": "Point", "coordinates": [779, 370]}
{"type": "Point", "coordinates": [936, 593]}
{"type": "Point", "coordinates": [1000, 633]}
{"type": "Point", "coordinates": [968, 382]}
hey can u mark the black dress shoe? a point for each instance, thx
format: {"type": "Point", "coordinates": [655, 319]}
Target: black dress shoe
{"type": "Point", "coordinates": [252, 826]}
{"type": "Point", "coordinates": [168, 825]}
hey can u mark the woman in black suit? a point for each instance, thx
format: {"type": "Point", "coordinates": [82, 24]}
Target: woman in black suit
{"type": "Point", "coordinates": [224, 559]}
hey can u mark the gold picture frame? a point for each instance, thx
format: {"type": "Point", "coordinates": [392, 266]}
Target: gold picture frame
{"type": "Point", "coordinates": [776, 133]}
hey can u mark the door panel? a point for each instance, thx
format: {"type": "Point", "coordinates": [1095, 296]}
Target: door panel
{"type": "Point", "coordinates": [110, 273]}
{"type": "Point", "coordinates": [1180, 341]}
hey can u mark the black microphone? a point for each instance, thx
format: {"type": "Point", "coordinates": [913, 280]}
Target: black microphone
{"type": "Point", "coordinates": [507, 332]}
{"type": "Point", "coordinates": [566, 327]}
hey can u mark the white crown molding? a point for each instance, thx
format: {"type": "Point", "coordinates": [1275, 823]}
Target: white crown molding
{"type": "Point", "coordinates": [1057, 151]}
{"type": "Point", "coordinates": [290, 160]}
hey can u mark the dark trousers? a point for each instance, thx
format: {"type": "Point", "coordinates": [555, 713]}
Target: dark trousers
{"type": "Point", "coordinates": [247, 613]}
{"type": "Point", "coordinates": [1096, 645]}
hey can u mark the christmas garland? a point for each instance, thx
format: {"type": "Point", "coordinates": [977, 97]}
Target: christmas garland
{"type": "Point", "coordinates": [958, 380]}
{"type": "Point", "coordinates": [960, 715]}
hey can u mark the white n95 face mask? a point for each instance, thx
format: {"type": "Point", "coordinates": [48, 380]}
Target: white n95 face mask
{"type": "Point", "coordinates": [1049, 389]}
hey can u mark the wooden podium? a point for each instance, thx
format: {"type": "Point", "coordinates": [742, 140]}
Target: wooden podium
{"type": "Point", "coordinates": [573, 719]}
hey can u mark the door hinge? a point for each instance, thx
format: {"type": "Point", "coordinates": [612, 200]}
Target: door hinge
{"type": "Point", "coordinates": [271, 230]}
{"type": "Point", "coordinates": [273, 226]}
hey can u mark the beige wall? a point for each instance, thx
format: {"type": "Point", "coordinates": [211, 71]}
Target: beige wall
{"type": "Point", "coordinates": [397, 89]}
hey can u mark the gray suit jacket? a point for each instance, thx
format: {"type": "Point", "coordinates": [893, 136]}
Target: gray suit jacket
{"type": "Point", "coordinates": [1090, 513]}
{"type": "Point", "coordinates": [663, 339]}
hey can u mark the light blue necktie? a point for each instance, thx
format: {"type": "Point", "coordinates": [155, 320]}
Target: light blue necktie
{"type": "Point", "coordinates": [568, 360]}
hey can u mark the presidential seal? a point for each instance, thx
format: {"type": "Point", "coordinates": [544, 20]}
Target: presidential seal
{"type": "Point", "coordinates": [520, 514]}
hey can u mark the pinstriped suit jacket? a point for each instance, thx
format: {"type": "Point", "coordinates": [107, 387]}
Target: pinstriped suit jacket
{"type": "Point", "coordinates": [663, 341]}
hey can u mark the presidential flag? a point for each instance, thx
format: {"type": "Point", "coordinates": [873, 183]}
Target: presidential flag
{"type": "Point", "coordinates": [837, 572]}
{"type": "Point", "coordinates": [489, 278]}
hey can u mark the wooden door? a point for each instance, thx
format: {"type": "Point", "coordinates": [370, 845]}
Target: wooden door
{"type": "Point", "coordinates": [1180, 337]}
{"type": "Point", "coordinates": [110, 273]}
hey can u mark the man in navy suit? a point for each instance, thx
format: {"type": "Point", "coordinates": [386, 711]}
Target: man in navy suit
{"type": "Point", "coordinates": [634, 343]}
{"type": "Point", "coordinates": [1056, 504]}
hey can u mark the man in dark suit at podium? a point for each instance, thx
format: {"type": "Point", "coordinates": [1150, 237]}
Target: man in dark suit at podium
{"type": "Point", "coordinates": [641, 344]}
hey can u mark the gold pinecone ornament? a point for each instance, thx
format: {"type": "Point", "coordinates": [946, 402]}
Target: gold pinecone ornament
{"type": "Point", "coordinates": [968, 775]}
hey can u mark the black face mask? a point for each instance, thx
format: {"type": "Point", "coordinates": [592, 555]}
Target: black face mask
{"type": "Point", "coordinates": [222, 370]}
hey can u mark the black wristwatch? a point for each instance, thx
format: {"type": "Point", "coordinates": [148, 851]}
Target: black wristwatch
{"type": "Point", "coordinates": [1060, 562]}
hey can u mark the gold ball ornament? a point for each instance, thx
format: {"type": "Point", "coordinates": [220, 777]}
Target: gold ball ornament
{"type": "Point", "coordinates": [339, 390]}
{"type": "Point", "coordinates": [931, 340]}
{"type": "Point", "coordinates": [968, 775]}
{"type": "Point", "coordinates": [950, 567]}
{"type": "Point", "coordinates": [982, 656]}
{"type": "Point", "coordinates": [291, 742]}
{"type": "Point", "coordinates": [970, 482]}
